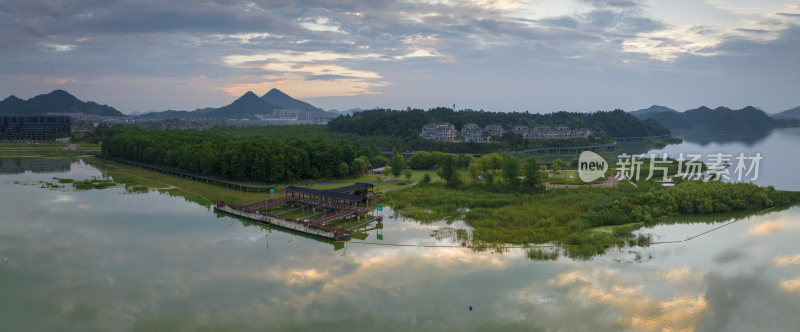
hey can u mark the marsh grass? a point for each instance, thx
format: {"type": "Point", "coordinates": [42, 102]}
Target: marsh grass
{"type": "Point", "coordinates": [586, 221]}
{"type": "Point", "coordinates": [193, 191]}
{"type": "Point", "coordinates": [93, 184]}
{"type": "Point", "coordinates": [542, 255]}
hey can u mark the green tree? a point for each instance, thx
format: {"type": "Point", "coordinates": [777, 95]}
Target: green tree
{"type": "Point", "coordinates": [379, 161]}
{"type": "Point", "coordinates": [454, 180]}
{"type": "Point", "coordinates": [421, 160]}
{"type": "Point", "coordinates": [557, 165]}
{"type": "Point", "coordinates": [397, 164]}
{"type": "Point", "coordinates": [426, 179]}
{"type": "Point", "coordinates": [476, 168]}
{"type": "Point", "coordinates": [447, 167]}
{"type": "Point", "coordinates": [533, 179]}
{"type": "Point", "coordinates": [357, 167]}
{"type": "Point", "coordinates": [407, 174]}
{"type": "Point", "coordinates": [343, 169]}
{"type": "Point", "coordinates": [511, 170]}
{"type": "Point", "coordinates": [464, 160]}
{"type": "Point", "coordinates": [494, 162]}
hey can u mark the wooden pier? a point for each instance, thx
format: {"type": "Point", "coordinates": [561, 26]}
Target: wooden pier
{"type": "Point", "coordinates": [328, 234]}
{"type": "Point", "coordinates": [338, 203]}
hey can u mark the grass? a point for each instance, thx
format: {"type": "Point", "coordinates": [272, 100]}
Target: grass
{"type": "Point", "coordinates": [136, 178]}
{"type": "Point", "coordinates": [542, 255]}
{"type": "Point", "coordinates": [566, 177]}
{"type": "Point", "coordinates": [93, 184]}
{"type": "Point", "coordinates": [202, 193]}
{"type": "Point", "coordinates": [501, 215]}
{"type": "Point", "coordinates": [360, 178]}
{"type": "Point", "coordinates": [46, 150]}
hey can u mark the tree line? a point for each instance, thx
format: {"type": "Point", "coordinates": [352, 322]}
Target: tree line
{"type": "Point", "coordinates": [225, 154]}
{"type": "Point", "coordinates": [485, 169]}
{"type": "Point", "coordinates": [688, 197]}
{"type": "Point", "coordinates": [408, 123]}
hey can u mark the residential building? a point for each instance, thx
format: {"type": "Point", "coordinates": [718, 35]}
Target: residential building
{"type": "Point", "coordinates": [521, 130]}
{"type": "Point", "coordinates": [439, 131]}
{"type": "Point", "coordinates": [473, 134]}
{"type": "Point", "coordinates": [469, 127]}
{"type": "Point", "coordinates": [540, 132]}
{"type": "Point", "coordinates": [561, 132]}
{"type": "Point", "coordinates": [21, 128]}
{"type": "Point", "coordinates": [494, 130]}
{"type": "Point", "coordinates": [545, 132]}
{"type": "Point", "coordinates": [580, 133]}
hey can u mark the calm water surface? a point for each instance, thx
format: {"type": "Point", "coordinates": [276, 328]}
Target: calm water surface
{"type": "Point", "coordinates": [111, 260]}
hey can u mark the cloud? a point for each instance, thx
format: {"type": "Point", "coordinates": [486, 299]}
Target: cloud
{"type": "Point", "coordinates": [59, 47]}
{"type": "Point", "coordinates": [778, 223]}
{"type": "Point", "coordinates": [791, 285]}
{"type": "Point", "coordinates": [293, 57]}
{"type": "Point", "coordinates": [321, 24]}
{"type": "Point", "coordinates": [612, 3]}
{"type": "Point", "coordinates": [304, 88]}
{"type": "Point", "coordinates": [783, 261]}
{"type": "Point", "coordinates": [392, 43]}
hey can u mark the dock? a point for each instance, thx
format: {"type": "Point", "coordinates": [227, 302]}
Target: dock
{"type": "Point", "coordinates": [347, 202]}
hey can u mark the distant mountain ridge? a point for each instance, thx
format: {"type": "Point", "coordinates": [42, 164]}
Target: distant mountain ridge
{"type": "Point", "coordinates": [248, 106]}
{"type": "Point", "coordinates": [278, 98]}
{"type": "Point", "coordinates": [720, 118]}
{"type": "Point", "coordinates": [58, 101]}
{"type": "Point", "coordinates": [651, 110]}
{"type": "Point", "coordinates": [793, 113]}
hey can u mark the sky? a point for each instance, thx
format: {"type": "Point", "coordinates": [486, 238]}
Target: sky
{"type": "Point", "coordinates": [504, 55]}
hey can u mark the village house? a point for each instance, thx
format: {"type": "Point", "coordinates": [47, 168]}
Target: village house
{"type": "Point", "coordinates": [439, 132]}
{"type": "Point", "coordinates": [521, 130]}
{"type": "Point", "coordinates": [472, 133]}
{"type": "Point", "coordinates": [545, 132]}
{"type": "Point", "coordinates": [495, 130]}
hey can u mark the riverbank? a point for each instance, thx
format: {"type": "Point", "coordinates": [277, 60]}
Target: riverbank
{"type": "Point", "coordinates": [136, 179]}
{"type": "Point", "coordinates": [54, 150]}
{"type": "Point", "coordinates": [572, 217]}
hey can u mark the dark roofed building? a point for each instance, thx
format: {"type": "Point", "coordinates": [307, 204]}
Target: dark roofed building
{"type": "Point", "coordinates": [21, 128]}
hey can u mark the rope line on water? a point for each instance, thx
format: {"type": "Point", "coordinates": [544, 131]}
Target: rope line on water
{"type": "Point", "coordinates": [548, 246]}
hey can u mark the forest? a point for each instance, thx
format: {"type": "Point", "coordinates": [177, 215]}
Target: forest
{"type": "Point", "coordinates": [408, 123]}
{"type": "Point", "coordinates": [238, 156]}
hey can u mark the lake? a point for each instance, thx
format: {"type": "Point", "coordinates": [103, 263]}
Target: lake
{"type": "Point", "coordinates": [111, 259]}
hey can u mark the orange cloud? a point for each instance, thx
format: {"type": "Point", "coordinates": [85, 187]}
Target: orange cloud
{"type": "Point", "coordinates": [301, 88]}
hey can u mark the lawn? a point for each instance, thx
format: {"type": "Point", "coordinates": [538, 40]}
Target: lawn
{"type": "Point", "coordinates": [199, 192]}
{"type": "Point", "coordinates": [565, 177]}
{"type": "Point", "coordinates": [46, 150]}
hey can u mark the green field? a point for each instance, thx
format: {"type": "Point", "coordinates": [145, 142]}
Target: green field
{"type": "Point", "coordinates": [50, 150]}
{"type": "Point", "coordinates": [565, 177]}
{"type": "Point", "coordinates": [585, 220]}
{"type": "Point", "coordinates": [199, 192]}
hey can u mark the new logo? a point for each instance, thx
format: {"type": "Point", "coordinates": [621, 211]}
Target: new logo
{"type": "Point", "coordinates": [591, 166]}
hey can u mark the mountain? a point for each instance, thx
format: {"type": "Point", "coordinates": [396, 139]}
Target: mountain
{"type": "Point", "coordinates": [168, 114]}
{"type": "Point", "coordinates": [646, 112]}
{"type": "Point", "coordinates": [245, 107]}
{"type": "Point", "coordinates": [351, 111]}
{"type": "Point", "coordinates": [789, 114]}
{"type": "Point", "coordinates": [58, 101]}
{"type": "Point", "coordinates": [283, 101]}
{"type": "Point", "coordinates": [720, 118]}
